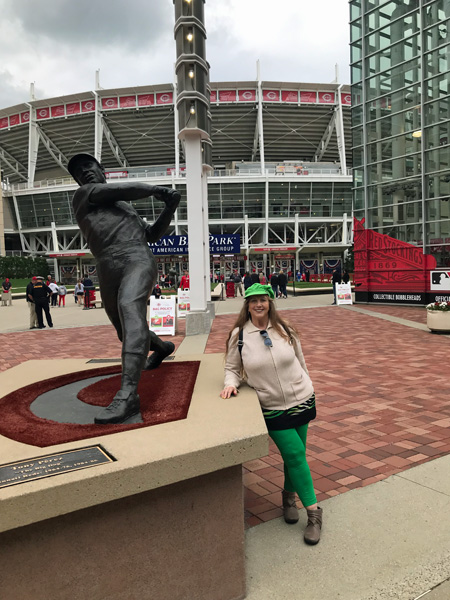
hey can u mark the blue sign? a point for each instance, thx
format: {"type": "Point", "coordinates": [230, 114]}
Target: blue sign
{"type": "Point", "coordinates": [221, 243]}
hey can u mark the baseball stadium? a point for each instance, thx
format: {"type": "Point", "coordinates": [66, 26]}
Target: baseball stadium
{"type": "Point", "coordinates": [280, 183]}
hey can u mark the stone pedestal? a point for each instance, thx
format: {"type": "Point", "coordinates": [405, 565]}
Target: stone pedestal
{"type": "Point", "coordinates": [162, 522]}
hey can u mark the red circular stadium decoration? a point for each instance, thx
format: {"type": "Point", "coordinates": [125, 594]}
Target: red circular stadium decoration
{"type": "Point", "coordinates": [165, 396]}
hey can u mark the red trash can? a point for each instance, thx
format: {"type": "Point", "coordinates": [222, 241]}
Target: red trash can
{"type": "Point", "coordinates": [230, 289]}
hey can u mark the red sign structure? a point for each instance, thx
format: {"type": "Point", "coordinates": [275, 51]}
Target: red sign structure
{"type": "Point", "coordinates": [387, 269]}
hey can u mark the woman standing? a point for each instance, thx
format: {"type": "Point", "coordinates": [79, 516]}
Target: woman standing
{"type": "Point", "coordinates": [79, 292]}
{"type": "Point", "coordinates": [266, 351]}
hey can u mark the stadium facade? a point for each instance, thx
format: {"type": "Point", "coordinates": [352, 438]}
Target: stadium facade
{"type": "Point", "coordinates": [400, 64]}
{"type": "Point", "coordinates": [281, 177]}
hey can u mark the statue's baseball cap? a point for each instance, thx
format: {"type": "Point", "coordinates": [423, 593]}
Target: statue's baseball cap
{"type": "Point", "coordinates": [75, 160]}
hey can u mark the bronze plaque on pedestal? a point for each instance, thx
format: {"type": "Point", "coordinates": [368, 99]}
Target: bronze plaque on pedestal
{"type": "Point", "coordinates": [52, 464]}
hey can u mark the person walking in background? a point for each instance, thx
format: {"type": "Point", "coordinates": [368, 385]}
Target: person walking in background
{"type": "Point", "coordinates": [336, 279]}
{"type": "Point", "coordinates": [79, 292]}
{"type": "Point", "coordinates": [62, 292]}
{"type": "Point", "coordinates": [247, 280]}
{"type": "Point", "coordinates": [282, 283]}
{"type": "Point", "coordinates": [267, 349]}
{"type": "Point", "coordinates": [41, 293]}
{"type": "Point", "coordinates": [185, 282]}
{"type": "Point", "coordinates": [6, 292]}
{"type": "Point", "coordinates": [254, 276]}
{"type": "Point", "coordinates": [237, 283]}
{"type": "Point", "coordinates": [345, 276]}
{"type": "Point", "coordinates": [31, 305]}
{"type": "Point", "coordinates": [274, 283]}
{"type": "Point", "coordinates": [262, 278]}
{"type": "Point", "coordinates": [52, 285]}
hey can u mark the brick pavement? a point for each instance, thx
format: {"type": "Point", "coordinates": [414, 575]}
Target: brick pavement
{"type": "Point", "coordinates": [382, 394]}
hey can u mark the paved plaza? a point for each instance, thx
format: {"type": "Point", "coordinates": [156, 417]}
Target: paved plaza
{"type": "Point", "coordinates": [382, 388]}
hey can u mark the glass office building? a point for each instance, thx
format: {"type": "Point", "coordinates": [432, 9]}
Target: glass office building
{"type": "Point", "coordinates": [400, 65]}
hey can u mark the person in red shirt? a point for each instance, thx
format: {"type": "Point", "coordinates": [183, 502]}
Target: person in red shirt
{"type": "Point", "coordinates": [184, 283]}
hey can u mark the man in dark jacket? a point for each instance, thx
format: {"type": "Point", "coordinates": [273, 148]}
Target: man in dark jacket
{"type": "Point", "coordinates": [41, 294]}
{"type": "Point", "coordinates": [282, 283]}
{"type": "Point", "coordinates": [34, 324]}
{"type": "Point", "coordinates": [274, 283]}
{"type": "Point", "coordinates": [247, 280]}
{"type": "Point", "coordinates": [336, 280]}
{"type": "Point", "coordinates": [254, 277]}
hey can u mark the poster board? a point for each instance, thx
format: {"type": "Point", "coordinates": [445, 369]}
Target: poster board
{"type": "Point", "coordinates": [183, 303]}
{"type": "Point", "coordinates": [162, 315]}
{"type": "Point", "coordinates": [343, 293]}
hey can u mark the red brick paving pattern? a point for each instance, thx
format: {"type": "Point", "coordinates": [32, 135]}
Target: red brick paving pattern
{"type": "Point", "coordinates": [383, 405]}
{"type": "Point", "coordinates": [382, 392]}
{"type": "Point", "coordinates": [411, 313]}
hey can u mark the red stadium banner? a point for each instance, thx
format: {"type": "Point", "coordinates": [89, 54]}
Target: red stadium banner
{"type": "Point", "coordinates": [346, 99]}
{"type": "Point", "coordinates": [127, 101]}
{"type": "Point", "coordinates": [73, 108]}
{"type": "Point", "coordinates": [4, 123]}
{"type": "Point", "coordinates": [213, 97]}
{"type": "Point", "coordinates": [289, 96]}
{"type": "Point", "coordinates": [164, 98]}
{"type": "Point", "coordinates": [247, 96]}
{"type": "Point", "coordinates": [14, 120]}
{"type": "Point", "coordinates": [271, 95]}
{"type": "Point", "coordinates": [308, 97]}
{"type": "Point", "coordinates": [326, 97]}
{"type": "Point", "coordinates": [146, 100]}
{"type": "Point", "coordinates": [58, 111]}
{"type": "Point", "coordinates": [25, 117]}
{"type": "Point", "coordinates": [227, 95]}
{"type": "Point", "coordinates": [42, 113]}
{"type": "Point", "coordinates": [87, 106]}
{"type": "Point", "coordinates": [109, 103]}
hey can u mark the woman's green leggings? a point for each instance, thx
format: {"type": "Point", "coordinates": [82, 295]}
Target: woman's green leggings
{"type": "Point", "coordinates": [297, 477]}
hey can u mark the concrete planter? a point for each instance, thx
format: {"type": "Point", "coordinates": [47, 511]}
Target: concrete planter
{"type": "Point", "coordinates": [438, 320]}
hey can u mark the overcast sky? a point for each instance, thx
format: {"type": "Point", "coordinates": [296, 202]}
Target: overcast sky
{"type": "Point", "coordinates": [59, 44]}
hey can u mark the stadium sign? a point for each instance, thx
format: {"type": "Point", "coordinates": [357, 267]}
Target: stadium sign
{"type": "Point", "coordinates": [178, 244]}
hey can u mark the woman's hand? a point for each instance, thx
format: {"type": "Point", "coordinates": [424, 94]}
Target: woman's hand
{"type": "Point", "coordinates": [228, 391]}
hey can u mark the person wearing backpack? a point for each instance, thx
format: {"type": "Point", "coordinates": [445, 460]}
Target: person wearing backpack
{"type": "Point", "coordinates": [265, 351]}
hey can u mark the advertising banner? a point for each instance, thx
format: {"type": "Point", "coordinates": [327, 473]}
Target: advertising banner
{"type": "Point", "coordinates": [343, 293]}
{"type": "Point", "coordinates": [247, 96]}
{"type": "Point", "coordinates": [179, 244]}
{"type": "Point", "coordinates": [162, 315]}
{"type": "Point", "coordinates": [58, 111]}
{"type": "Point", "coordinates": [109, 103]}
{"type": "Point", "coordinates": [183, 303]}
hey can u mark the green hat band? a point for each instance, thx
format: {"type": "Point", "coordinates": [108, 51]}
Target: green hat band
{"type": "Point", "coordinates": [257, 289]}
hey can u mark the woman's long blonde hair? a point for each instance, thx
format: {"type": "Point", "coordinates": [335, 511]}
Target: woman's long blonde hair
{"type": "Point", "coordinates": [281, 326]}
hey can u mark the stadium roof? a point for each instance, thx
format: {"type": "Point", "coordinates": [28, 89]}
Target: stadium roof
{"type": "Point", "coordinates": [139, 126]}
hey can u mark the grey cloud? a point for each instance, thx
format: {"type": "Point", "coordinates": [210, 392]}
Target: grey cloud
{"type": "Point", "coordinates": [135, 24]}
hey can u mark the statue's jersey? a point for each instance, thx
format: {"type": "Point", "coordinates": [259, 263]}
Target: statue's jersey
{"type": "Point", "coordinates": [106, 224]}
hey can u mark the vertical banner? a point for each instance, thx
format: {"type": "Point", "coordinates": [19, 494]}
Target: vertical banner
{"type": "Point", "coordinates": [162, 315]}
{"type": "Point", "coordinates": [183, 302]}
{"type": "Point", "coordinates": [343, 293]}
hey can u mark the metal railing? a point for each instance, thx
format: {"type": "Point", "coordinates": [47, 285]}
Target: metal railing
{"type": "Point", "coordinates": [163, 174]}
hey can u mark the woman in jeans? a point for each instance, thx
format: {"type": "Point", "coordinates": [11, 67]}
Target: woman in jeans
{"type": "Point", "coordinates": [265, 350]}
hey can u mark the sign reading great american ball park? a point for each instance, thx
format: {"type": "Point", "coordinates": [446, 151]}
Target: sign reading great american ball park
{"type": "Point", "coordinates": [179, 244]}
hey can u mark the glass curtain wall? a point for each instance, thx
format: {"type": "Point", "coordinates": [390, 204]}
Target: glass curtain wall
{"type": "Point", "coordinates": [400, 65]}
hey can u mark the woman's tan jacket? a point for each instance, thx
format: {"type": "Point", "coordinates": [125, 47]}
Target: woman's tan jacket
{"type": "Point", "coordinates": [278, 374]}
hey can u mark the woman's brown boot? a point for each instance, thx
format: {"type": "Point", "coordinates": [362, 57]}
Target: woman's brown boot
{"type": "Point", "coordinates": [290, 511]}
{"type": "Point", "coordinates": [314, 526]}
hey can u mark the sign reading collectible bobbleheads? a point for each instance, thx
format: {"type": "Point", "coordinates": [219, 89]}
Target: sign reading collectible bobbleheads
{"type": "Point", "coordinates": [162, 315]}
{"type": "Point", "coordinates": [389, 270]}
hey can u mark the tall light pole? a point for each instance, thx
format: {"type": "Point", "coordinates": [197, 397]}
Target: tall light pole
{"type": "Point", "coordinates": [193, 94]}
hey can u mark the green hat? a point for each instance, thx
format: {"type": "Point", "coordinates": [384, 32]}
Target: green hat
{"type": "Point", "coordinates": [257, 289]}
